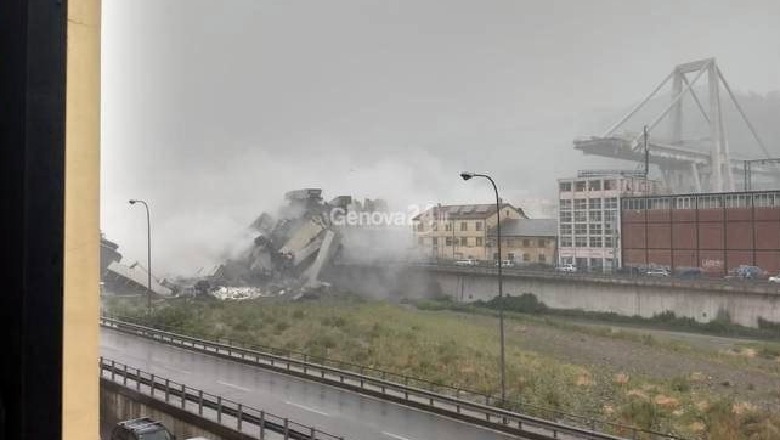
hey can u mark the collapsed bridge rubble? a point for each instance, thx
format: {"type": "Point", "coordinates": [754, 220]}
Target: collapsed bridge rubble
{"type": "Point", "coordinates": [290, 250]}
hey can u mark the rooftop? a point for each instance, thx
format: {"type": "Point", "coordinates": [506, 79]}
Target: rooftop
{"type": "Point", "coordinates": [465, 212]}
{"type": "Point", "coordinates": [527, 228]}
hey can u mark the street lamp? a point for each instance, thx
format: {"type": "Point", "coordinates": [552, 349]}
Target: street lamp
{"type": "Point", "coordinates": [148, 256]}
{"type": "Point", "coordinates": [467, 176]}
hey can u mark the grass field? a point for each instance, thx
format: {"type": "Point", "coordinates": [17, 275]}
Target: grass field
{"type": "Point", "coordinates": [462, 350]}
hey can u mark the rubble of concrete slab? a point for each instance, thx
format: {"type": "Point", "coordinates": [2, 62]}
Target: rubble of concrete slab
{"type": "Point", "coordinates": [290, 249]}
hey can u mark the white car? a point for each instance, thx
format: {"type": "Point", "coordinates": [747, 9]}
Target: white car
{"type": "Point", "coordinates": [775, 279]}
{"type": "Point", "coordinates": [566, 268]}
{"type": "Point", "coordinates": [466, 262]}
{"type": "Point", "coordinates": [658, 273]}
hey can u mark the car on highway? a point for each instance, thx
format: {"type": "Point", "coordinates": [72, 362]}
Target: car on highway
{"type": "Point", "coordinates": [466, 262]}
{"type": "Point", "coordinates": [566, 268]}
{"type": "Point", "coordinates": [142, 428]}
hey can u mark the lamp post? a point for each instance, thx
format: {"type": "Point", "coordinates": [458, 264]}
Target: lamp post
{"type": "Point", "coordinates": [467, 176]}
{"type": "Point", "coordinates": [148, 256]}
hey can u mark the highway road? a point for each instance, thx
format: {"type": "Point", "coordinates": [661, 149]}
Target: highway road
{"type": "Point", "coordinates": [327, 408]}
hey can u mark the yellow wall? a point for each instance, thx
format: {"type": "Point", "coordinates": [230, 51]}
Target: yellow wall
{"type": "Point", "coordinates": [516, 246]}
{"type": "Point", "coordinates": [82, 224]}
{"type": "Point", "coordinates": [441, 233]}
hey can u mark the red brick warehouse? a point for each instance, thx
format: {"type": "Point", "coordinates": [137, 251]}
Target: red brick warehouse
{"type": "Point", "coordinates": [716, 232]}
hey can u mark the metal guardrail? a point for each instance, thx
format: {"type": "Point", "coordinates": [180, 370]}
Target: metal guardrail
{"type": "Point", "coordinates": [226, 412]}
{"type": "Point", "coordinates": [465, 405]}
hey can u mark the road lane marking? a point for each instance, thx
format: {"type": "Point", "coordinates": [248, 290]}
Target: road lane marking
{"type": "Point", "coordinates": [176, 369]}
{"type": "Point", "coordinates": [395, 436]}
{"type": "Point", "coordinates": [306, 408]}
{"type": "Point", "coordinates": [232, 385]}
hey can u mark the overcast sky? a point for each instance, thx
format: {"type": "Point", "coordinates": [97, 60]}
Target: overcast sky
{"type": "Point", "coordinates": [213, 109]}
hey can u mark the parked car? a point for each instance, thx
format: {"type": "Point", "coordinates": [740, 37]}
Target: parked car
{"type": "Point", "coordinates": [775, 279]}
{"type": "Point", "coordinates": [466, 262]}
{"type": "Point", "coordinates": [748, 272]}
{"type": "Point", "coordinates": [693, 272]}
{"type": "Point", "coordinates": [657, 272]}
{"type": "Point", "coordinates": [566, 268]}
{"type": "Point", "coordinates": [505, 263]}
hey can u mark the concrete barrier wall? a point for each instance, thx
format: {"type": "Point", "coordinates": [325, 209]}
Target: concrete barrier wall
{"type": "Point", "coordinates": [118, 403]}
{"type": "Point", "coordinates": [744, 308]}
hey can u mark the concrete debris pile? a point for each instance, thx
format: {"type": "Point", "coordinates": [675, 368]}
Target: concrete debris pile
{"type": "Point", "coordinates": [290, 249]}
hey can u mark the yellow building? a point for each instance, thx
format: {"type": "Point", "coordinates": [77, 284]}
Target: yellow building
{"type": "Point", "coordinates": [526, 241]}
{"type": "Point", "coordinates": [456, 232]}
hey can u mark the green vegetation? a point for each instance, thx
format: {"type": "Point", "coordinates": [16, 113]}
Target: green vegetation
{"type": "Point", "coordinates": [461, 350]}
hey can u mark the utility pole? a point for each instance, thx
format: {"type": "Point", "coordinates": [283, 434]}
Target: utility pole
{"type": "Point", "coordinates": [148, 256]}
{"type": "Point", "coordinates": [466, 176]}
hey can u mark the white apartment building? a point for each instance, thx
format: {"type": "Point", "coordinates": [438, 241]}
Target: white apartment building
{"type": "Point", "coordinates": [589, 218]}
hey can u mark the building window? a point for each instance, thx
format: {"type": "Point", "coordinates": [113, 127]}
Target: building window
{"type": "Point", "coordinates": [594, 229]}
{"type": "Point", "coordinates": [435, 241]}
{"type": "Point", "coordinates": [608, 229]}
{"type": "Point", "coordinates": [565, 216]}
{"type": "Point", "coordinates": [766, 200]}
{"type": "Point", "coordinates": [464, 226]}
{"type": "Point", "coordinates": [608, 243]}
{"type": "Point", "coordinates": [464, 241]}
{"type": "Point", "coordinates": [541, 243]}
{"type": "Point", "coordinates": [610, 203]}
{"type": "Point", "coordinates": [610, 215]}
{"type": "Point", "coordinates": [477, 226]}
{"type": "Point", "coordinates": [580, 186]}
{"type": "Point", "coordinates": [448, 241]}
{"type": "Point", "coordinates": [526, 257]}
{"type": "Point", "coordinates": [510, 256]}
{"type": "Point", "coordinates": [420, 227]}
{"type": "Point", "coordinates": [542, 258]}
{"type": "Point", "coordinates": [580, 229]}
{"type": "Point", "coordinates": [610, 185]}
{"type": "Point", "coordinates": [594, 216]}
{"type": "Point", "coordinates": [565, 242]}
{"type": "Point", "coordinates": [581, 216]}
{"type": "Point", "coordinates": [595, 242]}
{"type": "Point", "coordinates": [564, 186]}
{"type": "Point", "coordinates": [682, 203]}
{"type": "Point", "coordinates": [479, 242]}
{"type": "Point", "coordinates": [435, 226]}
{"type": "Point", "coordinates": [581, 242]}
{"type": "Point", "coordinates": [594, 185]}
{"type": "Point", "coordinates": [580, 203]}
{"type": "Point", "coordinates": [526, 243]}
{"type": "Point", "coordinates": [594, 203]}
{"type": "Point", "coordinates": [737, 201]}
{"type": "Point", "coordinates": [565, 229]}
{"type": "Point", "coordinates": [565, 204]}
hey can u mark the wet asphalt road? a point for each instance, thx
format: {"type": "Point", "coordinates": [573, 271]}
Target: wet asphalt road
{"type": "Point", "coordinates": [327, 408]}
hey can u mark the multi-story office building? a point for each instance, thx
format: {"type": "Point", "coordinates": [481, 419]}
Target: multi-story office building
{"type": "Point", "coordinates": [589, 218]}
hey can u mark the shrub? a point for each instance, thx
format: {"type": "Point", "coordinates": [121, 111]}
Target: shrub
{"type": "Point", "coordinates": [680, 384]}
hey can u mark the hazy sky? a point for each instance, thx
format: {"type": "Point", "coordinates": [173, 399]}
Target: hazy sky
{"type": "Point", "coordinates": [213, 109]}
